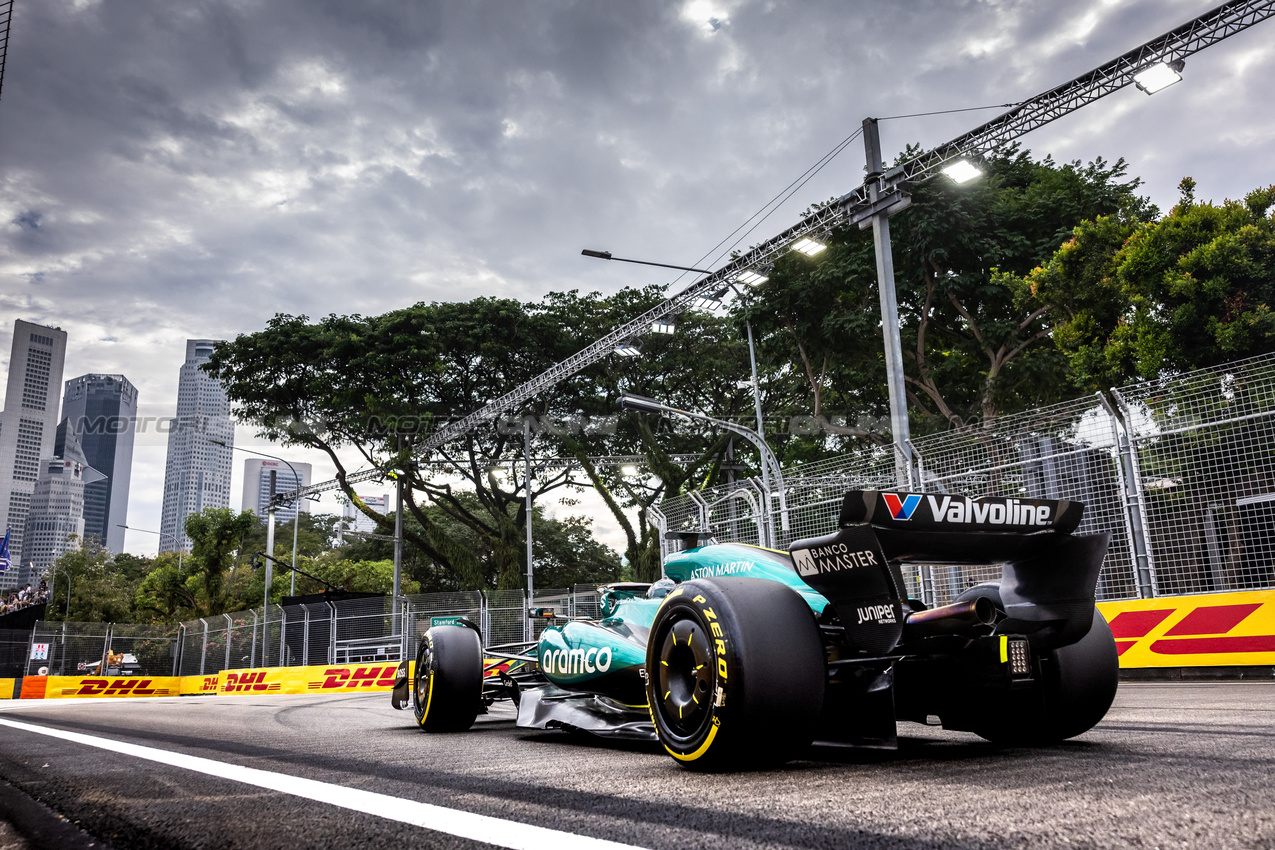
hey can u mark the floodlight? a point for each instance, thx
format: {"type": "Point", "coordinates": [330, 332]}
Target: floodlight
{"type": "Point", "coordinates": [808, 246]}
{"type": "Point", "coordinates": [629, 349]}
{"type": "Point", "coordinates": [663, 327]}
{"type": "Point", "coordinates": [640, 403]}
{"type": "Point", "coordinates": [1161, 75]}
{"type": "Point", "coordinates": [962, 171]}
{"type": "Point", "coordinates": [628, 469]}
{"type": "Point", "coordinates": [752, 278]}
{"type": "Point", "coordinates": [710, 302]}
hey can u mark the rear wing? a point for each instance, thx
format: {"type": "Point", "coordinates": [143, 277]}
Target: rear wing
{"type": "Point", "coordinates": [1048, 575]}
{"type": "Point", "coordinates": [939, 512]}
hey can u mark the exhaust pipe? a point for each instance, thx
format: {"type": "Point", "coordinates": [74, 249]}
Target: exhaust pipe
{"type": "Point", "coordinates": [955, 619]}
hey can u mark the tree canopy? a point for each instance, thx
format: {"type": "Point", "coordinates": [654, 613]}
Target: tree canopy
{"type": "Point", "coordinates": [1040, 281]}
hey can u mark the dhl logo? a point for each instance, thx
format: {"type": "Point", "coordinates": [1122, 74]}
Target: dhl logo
{"type": "Point", "coordinates": [359, 677]}
{"type": "Point", "coordinates": [114, 688]}
{"type": "Point", "coordinates": [1205, 630]}
{"type": "Point", "coordinates": [240, 683]}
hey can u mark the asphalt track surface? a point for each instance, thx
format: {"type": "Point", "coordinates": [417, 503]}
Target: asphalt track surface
{"type": "Point", "coordinates": [1172, 765]}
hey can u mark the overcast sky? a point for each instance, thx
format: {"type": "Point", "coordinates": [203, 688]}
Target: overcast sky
{"type": "Point", "coordinates": [180, 170]}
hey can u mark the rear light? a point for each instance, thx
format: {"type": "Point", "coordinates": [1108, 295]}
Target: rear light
{"type": "Point", "coordinates": [1015, 653]}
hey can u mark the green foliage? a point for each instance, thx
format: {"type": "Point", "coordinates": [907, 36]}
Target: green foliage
{"type": "Point", "coordinates": [975, 335]}
{"type": "Point", "coordinates": [1193, 289]}
{"type": "Point", "coordinates": [99, 593]}
{"type": "Point", "coordinates": [564, 550]}
{"type": "Point", "coordinates": [217, 536]}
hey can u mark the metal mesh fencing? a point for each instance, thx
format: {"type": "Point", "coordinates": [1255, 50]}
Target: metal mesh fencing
{"type": "Point", "coordinates": [15, 644]}
{"type": "Point", "coordinates": [813, 491]}
{"type": "Point", "coordinates": [421, 610]}
{"type": "Point", "coordinates": [1064, 451]}
{"type": "Point", "coordinates": [1182, 476]}
{"type": "Point", "coordinates": [1205, 457]}
{"type": "Point", "coordinates": [142, 650]}
{"type": "Point", "coordinates": [243, 639]}
{"type": "Point", "coordinates": [585, 601]}
{"type": "Point", "coordinates": [73, 649]}
{"type": "Point", "coordinates": [506, 617]}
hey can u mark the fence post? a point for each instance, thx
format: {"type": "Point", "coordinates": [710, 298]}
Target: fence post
{"type": "Point", "coordinates": [332, 634]}
{"type": "Point", "coordinates": [203, 650]}
{"type": "Point", "coordinates": [1135, 504]}
{"type": "Point", "coordinates": [404, 621]}
{"type": "Point", "coordinates": [283, 636]}
{"type": "Point", "coordinates": [177, 656]}
{"type": "Point", "coordinates": [226, 666]}
{"type": "Point", "coordinates": [927, 585]}
{"type": "Point", "coordinates": [252, 655]}
{"type": "Point", "coordinates": [106, 650]}
{"type": "Point", "coordinates": [305, 635]}
{"type": "Point", "coordinates": [484, 614]}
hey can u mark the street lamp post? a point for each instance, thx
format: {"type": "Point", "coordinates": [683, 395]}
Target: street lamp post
{"type": "Point", "coordinates": [643, 404]}
{"type": "Point", "coordinates": [148, 531]}
{"type": "Point", "coordinates": [296, 512]}
{"type": "Point", "coordinates": [752, 359]}
{"type": "Point", "coordinates": [67, 575]}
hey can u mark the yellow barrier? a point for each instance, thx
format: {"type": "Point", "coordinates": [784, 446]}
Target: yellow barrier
{"type": "Point", "coordinates": [195, 685]}
{"type": "Point", "coordinates": [77, 687]}
{"type": "Point", "coordinates": [7, 688]}
{"type": "Point", "coordinates": [334, 678]}
{"type": "Point", "coordinates": [1215, 630]}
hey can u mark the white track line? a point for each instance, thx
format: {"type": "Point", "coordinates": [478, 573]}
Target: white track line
{"type": "Point", "coordinates": [497, 831]}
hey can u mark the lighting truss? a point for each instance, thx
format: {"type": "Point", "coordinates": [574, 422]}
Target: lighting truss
{"type": "Point", "coordinates": [6, 15]}
{"type": "Point", "coordinates": [1222, 22]}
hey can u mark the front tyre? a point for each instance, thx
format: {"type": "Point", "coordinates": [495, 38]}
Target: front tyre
{"type": "Point", "coordinates": [447, 686]}
{"type": "Point", "coordinates": [735, 673]}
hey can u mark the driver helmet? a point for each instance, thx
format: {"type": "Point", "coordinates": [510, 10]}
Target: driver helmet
{"type": "Point", "coordinates": [661, 588]}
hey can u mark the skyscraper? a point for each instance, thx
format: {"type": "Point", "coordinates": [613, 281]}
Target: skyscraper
{"type": "Point", "coordinates": [57, 505]}
{"type": "Point", "coordinates": [101, 410]}
{"type": "Point", "coordinates": [256, 486]}
{"type": "Point", "coordinates": [197, 473]}
{"type": "Point", "coordinates": [30, 420]}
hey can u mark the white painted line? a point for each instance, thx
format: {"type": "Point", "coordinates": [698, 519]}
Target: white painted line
{"type": "Point", "coordinates": [497, 831]}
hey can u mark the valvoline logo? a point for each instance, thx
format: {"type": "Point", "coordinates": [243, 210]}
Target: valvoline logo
{"type": "Point", "coordinates": [901, 508]}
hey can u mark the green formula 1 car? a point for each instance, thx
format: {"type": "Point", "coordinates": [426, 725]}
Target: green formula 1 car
{"type": "Point", "coordinates": [744, 656]}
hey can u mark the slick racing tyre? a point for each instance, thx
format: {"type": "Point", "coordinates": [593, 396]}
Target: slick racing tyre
{"type": "Point", "coordinates": [735, 673]}
{"type": "Point", "coordinates": [448, 684]}
{"type": "Point", "coordinates": [1077, 686]}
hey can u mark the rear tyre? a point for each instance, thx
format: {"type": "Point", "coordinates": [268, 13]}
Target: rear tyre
{"type": "Point", "coordinates": [447, 686]}
{"type": "Point", "coordinates": [1077, 685]}
{"type": "Point", "coordinates": [735, 673]}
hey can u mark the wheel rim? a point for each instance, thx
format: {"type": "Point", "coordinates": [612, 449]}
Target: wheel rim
{"type": "Point", "coordinates": [685, 677]}
{"type": "Point", "coordinates": [422, 677]}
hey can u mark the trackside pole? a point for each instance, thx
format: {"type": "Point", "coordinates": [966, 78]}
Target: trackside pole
{"type": "Point", "coordinates": [528, 630]}
{"type": "Point", "coordinates": [889, 309]}
{"type": "Point", "coordinates": [269, 543]}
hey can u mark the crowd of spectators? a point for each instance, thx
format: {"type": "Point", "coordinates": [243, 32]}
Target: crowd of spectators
{"type": "Point", "coordinates": [26, 596]}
